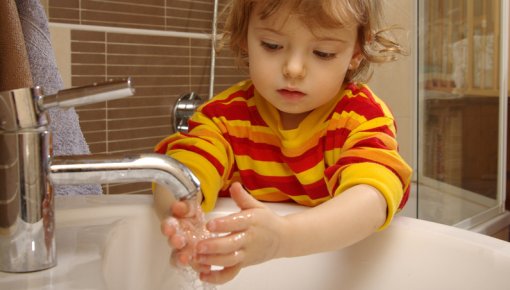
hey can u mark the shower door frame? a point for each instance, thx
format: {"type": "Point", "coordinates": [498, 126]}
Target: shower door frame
{"type": "Point", "coordinates": [499, 208]}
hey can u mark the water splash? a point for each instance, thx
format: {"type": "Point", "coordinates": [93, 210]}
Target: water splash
{"type": "Point", "coordinates": [191, 281]}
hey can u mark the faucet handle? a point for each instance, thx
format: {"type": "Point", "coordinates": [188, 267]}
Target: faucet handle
{"type": "Point", "coordinates": [94, 93]}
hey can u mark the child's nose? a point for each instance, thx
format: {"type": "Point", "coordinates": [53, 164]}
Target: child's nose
{"type": "Point", "coordinates": [294, 68]}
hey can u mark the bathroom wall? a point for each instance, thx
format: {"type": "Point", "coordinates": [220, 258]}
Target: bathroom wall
{"type": "Point", "coordinates": [396, 82]}
{"type": "Point", "coordinates": [164, 67]}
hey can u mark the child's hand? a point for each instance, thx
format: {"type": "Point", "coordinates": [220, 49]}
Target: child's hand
{"type": "Point", "coordinates": [182, 231]}
{"type": "Point", "coordinates": [254, 236]}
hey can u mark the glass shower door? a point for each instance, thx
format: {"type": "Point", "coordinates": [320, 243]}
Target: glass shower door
{"type": "Point", "coordinates": [459, 179]}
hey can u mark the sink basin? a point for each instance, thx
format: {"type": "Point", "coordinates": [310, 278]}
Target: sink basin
{"type": "Point", "coordinates": [113, 242]}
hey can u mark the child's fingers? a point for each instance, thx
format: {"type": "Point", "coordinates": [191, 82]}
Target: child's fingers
{"type": "Point", "coordinates": [179, 259]}
{"type": "Point", "coordinates": [236, 222]}
{"type": "Point", "coordinates": [179, 209]}
{"type": "Point", "coordinates": [201, 268]}
{"type": "Point", "coordinates": [169, 226]}
{"type": "Point", "coordinates": [184, 209]}
{"type": "Point", "coordinates": [177, 242]}
{"type": "Point", "coordinates": [225, 260]}
{"type": "Point", "coordinates": [182, 257]}
{"type": "Point", "coordinates": [243, 199]}
{"type": "Point", "coordinates": [222, 245]}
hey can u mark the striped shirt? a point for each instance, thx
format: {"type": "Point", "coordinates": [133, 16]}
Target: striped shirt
{"type": "Point", "coordinates": [237, 136]}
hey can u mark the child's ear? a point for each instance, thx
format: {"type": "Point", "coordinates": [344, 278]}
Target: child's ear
{"type": "Point", "coordinates": [356, 59]}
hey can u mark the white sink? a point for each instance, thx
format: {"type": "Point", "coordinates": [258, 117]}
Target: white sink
{"type": "Point", "coordinates": [113, 242]}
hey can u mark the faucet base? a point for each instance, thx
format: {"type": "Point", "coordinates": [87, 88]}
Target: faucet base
{"type": "Point", "coordinates": [31, 249]}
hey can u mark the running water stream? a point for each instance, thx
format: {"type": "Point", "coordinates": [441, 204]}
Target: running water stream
{"type": "Point", "coordinates": [194, 229]}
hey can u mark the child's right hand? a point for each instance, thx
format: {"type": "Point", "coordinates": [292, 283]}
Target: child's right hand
{"type": "Point", "coordinates": [170, 227]}
{"type": "Point", "coordinates": [183, 230]}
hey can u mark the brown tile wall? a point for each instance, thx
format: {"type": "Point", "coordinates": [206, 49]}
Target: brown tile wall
{"type": "Point", "coordinates": [175, 15]}
{"type": "Point", "coordinates": [162, 68]}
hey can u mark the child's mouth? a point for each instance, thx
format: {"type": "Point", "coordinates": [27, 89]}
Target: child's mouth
{"type": "Point", "coordinates": [291, 94]}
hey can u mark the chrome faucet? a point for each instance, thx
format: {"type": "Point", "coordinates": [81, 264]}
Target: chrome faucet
{"type": "Point", "coordinates": [28, 171]}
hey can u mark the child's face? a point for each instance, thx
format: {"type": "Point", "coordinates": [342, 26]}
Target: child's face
{"type": "Point", "coordinates": [294, 69]}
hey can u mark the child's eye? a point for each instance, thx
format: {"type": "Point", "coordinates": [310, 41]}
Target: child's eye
{"type": "Point", "coordinates": [270, 46]}
{"type": "Point", "coordinates": [324, 55]}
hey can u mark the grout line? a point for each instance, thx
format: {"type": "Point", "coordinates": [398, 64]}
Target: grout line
{"type": "Point", "coordinates": [137, 31]}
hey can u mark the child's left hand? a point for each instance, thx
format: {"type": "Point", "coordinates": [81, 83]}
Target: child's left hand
{"type": "Point", "coordinates": [254, 236]}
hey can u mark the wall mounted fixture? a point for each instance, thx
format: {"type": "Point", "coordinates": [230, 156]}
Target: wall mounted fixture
{"type": "Point", "coordinates": [185, 106]}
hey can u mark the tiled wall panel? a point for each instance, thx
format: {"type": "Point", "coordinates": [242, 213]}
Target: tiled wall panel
{"type": "Point", "coordinates": [175, 15]}
{"type": "Point", "coordinates": [162, 68]}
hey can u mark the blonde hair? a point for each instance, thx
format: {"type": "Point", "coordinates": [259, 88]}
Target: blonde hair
{"type": "Point", "coordinates": [376, 43]}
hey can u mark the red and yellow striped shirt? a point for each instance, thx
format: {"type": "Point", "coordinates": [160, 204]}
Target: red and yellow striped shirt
{"type": "Point", "coordinates": [237, 136]}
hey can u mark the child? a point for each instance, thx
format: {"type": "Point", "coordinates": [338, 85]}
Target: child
{"type": "Point", "coordinates": [304, 128]}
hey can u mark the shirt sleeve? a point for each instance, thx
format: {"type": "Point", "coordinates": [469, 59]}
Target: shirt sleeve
{"type": "Point", "coordinates": [369, 155]}
{"type": "Point", "coordinates": [205, 152]}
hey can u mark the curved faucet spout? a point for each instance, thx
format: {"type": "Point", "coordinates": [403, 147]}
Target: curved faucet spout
{"type": "Point", "coordinates": [90, 169]}
{"type": "Point", "coordinates": [27, 167]}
